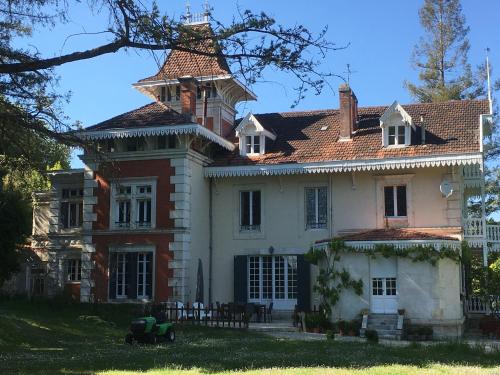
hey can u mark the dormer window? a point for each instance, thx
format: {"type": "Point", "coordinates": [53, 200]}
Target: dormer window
{"type": "Point", "coordinates": [252, 144]}
{"type": "Point", "coordinates": [252, 136]}
{"type": "Point", "coordinates": [396, 135]}
{"type": "Point", "coordinates": [396, 126]}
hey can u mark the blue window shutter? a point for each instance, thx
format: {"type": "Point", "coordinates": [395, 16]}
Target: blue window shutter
{"type": "Point", "coordinates": [240, 279]}
{"type": "Point", "coordinates": [303, 284]}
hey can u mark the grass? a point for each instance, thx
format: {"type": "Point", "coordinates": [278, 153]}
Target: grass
{"type": "Point", "coordinates": [54, 338]}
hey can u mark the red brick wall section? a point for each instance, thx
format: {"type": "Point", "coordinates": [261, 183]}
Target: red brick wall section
{"type": "Point", "coordinates": [136, 168]}
{"type": "Point", "coordinates": [163, 257]}
{"type": "Point", "coordinates": [162, 170]}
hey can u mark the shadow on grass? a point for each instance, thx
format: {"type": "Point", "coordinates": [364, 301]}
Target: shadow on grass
{"type": "Point", "coordinates": [45, 341]}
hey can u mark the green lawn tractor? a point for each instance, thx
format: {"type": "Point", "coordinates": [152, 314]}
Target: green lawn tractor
{"type": "Point", "coordinates": [149, 330]}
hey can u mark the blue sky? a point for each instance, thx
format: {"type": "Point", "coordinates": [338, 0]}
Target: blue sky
{"type": "Point", "coordinates": [380, 35]}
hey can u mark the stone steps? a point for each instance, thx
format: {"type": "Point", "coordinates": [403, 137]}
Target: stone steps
{"type": "Point", "coordinates": [385, 325]}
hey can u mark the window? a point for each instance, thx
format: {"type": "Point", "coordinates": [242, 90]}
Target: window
{"type": "Point", "coordinates": [134, 205]}
{"type": "Point", "coordinates": [144, 275]}
{"type": "Point", "coordinates": [73, 270]}
{"type": "Point", "coordinates": [272, 278]}
{"type": "Point", "coordinates": [165, 141]}
{"type": "Point", "coordinates": [395, 201]}
{"type": "Point", "coordinates": [396, 135]}
{"type": "Point", "coordinates": [177, 92]}
{"type": "Point", "coordinates": [382, 286]}
{"type": "Point", "coordinates": [252, 143]}
{"type": "Point", "coordinates": [163, 94]}
{"type": "Point", "coordinates": [121, 275]}
{"type": "Point", "coordinates": [316, 207]}
{"type": "Point", "coordinates": [250, 211]}
{"type": "Point", "coordinates": [71, 213]}
{"type": "Point", "coordinates": [136, 144]}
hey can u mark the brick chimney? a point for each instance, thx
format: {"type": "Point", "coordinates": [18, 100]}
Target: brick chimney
{"type": "Point", "coordinates": [348, 112]}
{"type": "Point", "coordinates": [188, 97]}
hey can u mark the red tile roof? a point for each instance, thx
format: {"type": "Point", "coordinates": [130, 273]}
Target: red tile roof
{"type": "Point", "coordinates": [184, 63]}
{"type": "Point", "coordinates": [404, 234]}
{"type": "Point", "coordinates": [153, 114]}
{"type": "Point", "coordinates": [451, 127]}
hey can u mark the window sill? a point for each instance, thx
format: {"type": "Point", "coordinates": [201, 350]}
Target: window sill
{"type": "Point", "coordinates": [73, 282]}
{"type": "Point", "coordinates": [395, 146]}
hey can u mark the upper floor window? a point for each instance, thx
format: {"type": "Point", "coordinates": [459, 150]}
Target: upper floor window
{"type": "Point", "coordinates": [133, 205]}
{"type": "Point", "coordinates": [71, 213]}
{"type": "Point", "coordinates": [396, 135]}
{"type": "Point", "coordinates": [210, 91]}
{"type": "Point", "coordinates": [252, 144]}
{"type": "Point", "coordinates": [395, 201]}
{"type": "Point", "coordinates": [316, 207]}
{"type": "Point", "coordinates": [73, 270]}
{"type": "Point", "coordinates": [250, 210]}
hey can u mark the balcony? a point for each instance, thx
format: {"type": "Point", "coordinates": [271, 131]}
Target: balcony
{"type": "Point", "coordinates": [475, 231]}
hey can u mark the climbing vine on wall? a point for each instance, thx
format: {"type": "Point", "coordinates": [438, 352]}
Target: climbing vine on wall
{"type": "Point", "coordinates": [331, 281]}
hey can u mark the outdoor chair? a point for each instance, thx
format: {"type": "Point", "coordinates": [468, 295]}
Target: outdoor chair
{"type": "Point", "coordinates": [270, 312]}
{"type": "Point", "coordinates": [199, 308]}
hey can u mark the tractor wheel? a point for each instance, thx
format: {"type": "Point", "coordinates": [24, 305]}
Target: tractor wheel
{"type": "Point", "coordinates": [170, 335]}
{"type": "Point", "coordinates": [129, 339]}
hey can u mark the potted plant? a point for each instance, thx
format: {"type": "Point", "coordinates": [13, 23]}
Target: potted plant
{"type": "Point", "coordinates": [401, 311]}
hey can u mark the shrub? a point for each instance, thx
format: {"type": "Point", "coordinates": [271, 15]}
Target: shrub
{"type": "Point", "coordinates": [330, 335]}
{"type": "Point", "coordinates": [371, 335]}
{"type": "Point", "coordinates": [419, 332]}
{"type": "Point", "coordinates": [349, 327]}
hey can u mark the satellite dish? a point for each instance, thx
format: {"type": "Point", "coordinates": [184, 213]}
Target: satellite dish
{"type": "Point", "coordinates": [446, 189]}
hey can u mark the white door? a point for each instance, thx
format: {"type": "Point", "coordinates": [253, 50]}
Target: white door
{"type": "Point", "coordinates": [384, 286]}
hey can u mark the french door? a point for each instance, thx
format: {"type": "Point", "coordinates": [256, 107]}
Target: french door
{"type": "Point", "coordinates": [273, 278]}
{"type": "Point", "coordinates": [131, 275]}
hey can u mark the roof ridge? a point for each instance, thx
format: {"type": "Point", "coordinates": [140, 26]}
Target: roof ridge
{"type": "Point", "coordinates": [463, 101]}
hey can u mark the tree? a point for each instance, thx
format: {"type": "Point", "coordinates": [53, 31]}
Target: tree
{"type": "Point", "coordinates": [445, 74]}
{"type": "Point", "coordinates": [251, 43]}
{"type": "Point", "coordinates": [14, 228]}
{"type": "Point", "coordinates": [442, 55]}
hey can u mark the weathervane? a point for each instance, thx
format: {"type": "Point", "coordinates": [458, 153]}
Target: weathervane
{"type": "Point", "coordinates": [349, 72]}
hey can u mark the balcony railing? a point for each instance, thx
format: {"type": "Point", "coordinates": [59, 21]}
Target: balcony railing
{"type": "Point", "coordinates": [474, 228]}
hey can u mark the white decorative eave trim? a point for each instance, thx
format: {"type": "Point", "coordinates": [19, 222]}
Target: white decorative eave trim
{"type": "Point", "coordinates": [158, 130]}
{"type": "Point", "coordinates": [398, 244]}
{"type": "Point", "coordinates": [222, 77]}
{"type": "Point", "coordinates": [395, 107]}
{"type": "Point", "coordinates": [251, 119]}
{"type": "Point", "coordinates": [344, 165]}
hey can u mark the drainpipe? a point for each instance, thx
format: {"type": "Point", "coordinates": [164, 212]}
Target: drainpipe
{"type": "Point", "coordinates": [210, 241]}
{"type": "Point", "coordinates": [330, 191]}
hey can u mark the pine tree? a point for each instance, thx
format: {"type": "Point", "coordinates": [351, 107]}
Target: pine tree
{"type": "Point", "coordinates": [442, 55]}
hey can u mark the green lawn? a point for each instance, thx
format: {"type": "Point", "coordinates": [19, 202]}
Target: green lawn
{"type": "Point", "coordinates": [58, 339]}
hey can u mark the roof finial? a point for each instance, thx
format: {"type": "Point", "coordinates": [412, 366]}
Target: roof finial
{"type": "Point", "coordinates": [188, 16]}
{"type": "Point", "coordinates": [206, 13]}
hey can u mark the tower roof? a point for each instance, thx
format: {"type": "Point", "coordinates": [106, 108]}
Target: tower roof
{"type": "Point", "coordinates": [183, 63]}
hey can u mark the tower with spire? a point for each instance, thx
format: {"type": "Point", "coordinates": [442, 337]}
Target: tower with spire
{"type": "Point", "coordinates": [203, 65]}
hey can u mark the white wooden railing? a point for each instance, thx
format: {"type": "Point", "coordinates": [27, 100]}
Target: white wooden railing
{"type": "Point", "coordinates": [493, 233]}
{"type": "Point", "coordinates": [474, 228]}
{"type": "Point", "coordinates": [483, 304]}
